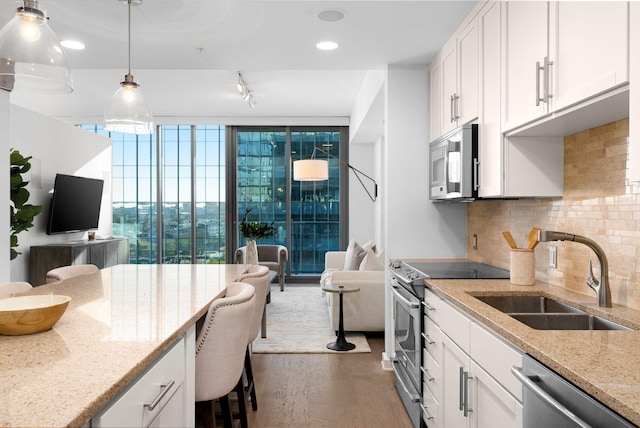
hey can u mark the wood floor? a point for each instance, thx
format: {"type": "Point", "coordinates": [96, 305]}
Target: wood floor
{"type": "Point", "coordinates": [326, 391]}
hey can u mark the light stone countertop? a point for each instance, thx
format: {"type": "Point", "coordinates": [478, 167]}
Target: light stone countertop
{"type": "Point", "coordinates": [604, 363]}
{"type": "Point", "coordinates": [118, 321]}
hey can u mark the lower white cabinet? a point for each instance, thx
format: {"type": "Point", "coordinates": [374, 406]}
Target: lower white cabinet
{"type": "Point", "coordinates": [467, 380]}
{"type": "Point", "coordinates": [156, 399]}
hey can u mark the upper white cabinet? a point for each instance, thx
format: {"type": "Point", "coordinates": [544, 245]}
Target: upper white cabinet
{"type": "Point", "coordinates": [490, 150]}
{"type": "Point", "coordinates": [454, 100]}
{"type": "Point", "coordinates": [527, 61]}
{"type": "Point", "coordinates": [559, 54]}
{"type": "Point", "coordinates": [590, 49]}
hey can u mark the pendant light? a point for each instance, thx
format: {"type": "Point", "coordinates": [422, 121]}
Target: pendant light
{"type": "Point", "coordinates": [128, 111]}
{"type": "Point", "coordinates": [31, 57]}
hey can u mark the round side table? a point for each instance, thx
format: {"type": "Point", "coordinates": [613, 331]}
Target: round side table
{"type": "Point", "coordinates": [341, 343]}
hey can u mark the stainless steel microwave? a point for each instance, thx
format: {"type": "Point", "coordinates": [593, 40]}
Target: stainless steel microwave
{"type": "Point", "coordinates": [453, 165]}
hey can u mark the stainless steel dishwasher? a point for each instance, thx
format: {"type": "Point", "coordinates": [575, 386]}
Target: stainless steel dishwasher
{"type": "Point", "coordinates": [551, 401]}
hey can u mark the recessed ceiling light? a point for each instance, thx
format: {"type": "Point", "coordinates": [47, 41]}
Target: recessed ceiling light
{"type": "Point", "coordinates": [327, 46]}
{"type": "Point", "coordinates": [331, 15]}
{"type": "Point", "coordinates": [72, 44]}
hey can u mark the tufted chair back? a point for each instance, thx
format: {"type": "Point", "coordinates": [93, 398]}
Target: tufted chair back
{"type": "Point", "coordinates": [6, 290]}
{"type": "Point", "coordinates": [258, 276]}
{"type": "Point", "coordinates": [222, 342]}
{"type": "Point", "coordinates": [65, 272]}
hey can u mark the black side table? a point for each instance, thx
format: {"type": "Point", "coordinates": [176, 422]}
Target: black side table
{"type": "Point", "coordinates": [341, 343]}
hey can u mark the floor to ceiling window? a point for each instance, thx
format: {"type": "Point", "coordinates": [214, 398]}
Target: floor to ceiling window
{"type": "Point", "coordinates": [307, 215]}
{"type": "Point", "coordinates": [170, 196]}
{"type": "Point", "coordinates": [189, 186]}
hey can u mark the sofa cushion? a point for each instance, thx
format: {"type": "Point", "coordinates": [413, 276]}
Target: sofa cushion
{"type": "Point", "coordinates": [371, 261]}
{"type": "Point", "coordinates": [354, 255]}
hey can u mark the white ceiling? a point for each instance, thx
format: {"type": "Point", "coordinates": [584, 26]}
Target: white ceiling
{"type": "Point", "coordinates": [186, 53]}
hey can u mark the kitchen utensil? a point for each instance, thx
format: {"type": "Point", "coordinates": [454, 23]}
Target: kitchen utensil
{"type": "Point", "coordinates": [31, 314]}
{"type": "Point", "coordinates": [532, 239]}
{"type": "Point", "coordinates": [510, 240]}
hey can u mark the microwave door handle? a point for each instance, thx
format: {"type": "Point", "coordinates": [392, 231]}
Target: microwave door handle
{"type": "Point", "coordinates": [476, 182]}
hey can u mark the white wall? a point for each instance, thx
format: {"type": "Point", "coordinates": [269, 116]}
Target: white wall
{"type": "Point", "coordinates": [56, 147]}
{"type": "Point", "coordinates": [4, 184]}
{"type": "Point", "coordinates": [413, 227]}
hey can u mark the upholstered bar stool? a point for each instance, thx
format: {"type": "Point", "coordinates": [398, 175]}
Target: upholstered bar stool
{"type": "Point", "coordinates": [6, 290]}
{"type": "Point", "coordinates": [258, 276]}
{"type": "Point", "coordinates": [220, 346]}
{"type": "Point", "coordinates": [66, 272]}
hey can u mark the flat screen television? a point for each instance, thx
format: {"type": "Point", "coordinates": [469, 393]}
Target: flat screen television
{"type": "Point", "coordinates": [75, 205]}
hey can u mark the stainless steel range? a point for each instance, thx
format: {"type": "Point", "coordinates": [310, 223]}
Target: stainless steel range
{"type": "Point", "coordinates": [408, 285]}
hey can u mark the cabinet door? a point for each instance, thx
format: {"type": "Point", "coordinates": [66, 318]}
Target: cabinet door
{"type": "Point", "coordinates": [526, 43]}
{"type": "Point", "coordinates": [492, 405]}
{"type": "Point", "coordinates": [590, 52]}
{"type": "Point", "coordinates": [490, 151]}
{"type": "Point", "coordinates": [449, 86]}
{"type": "Point", "coordinates": [435, 100]}
{"type": "Point", "coordinates": [455, 363]}
{"type": "Point", "coordinates": [466, 108]}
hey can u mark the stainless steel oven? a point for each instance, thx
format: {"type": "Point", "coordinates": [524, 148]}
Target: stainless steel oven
{"type": "Point", "coordinates": [407, 328]}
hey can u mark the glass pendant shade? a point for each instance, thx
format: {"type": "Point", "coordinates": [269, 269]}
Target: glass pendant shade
{"type": "Point", "coordinates": [310, 170]}
{"type": "Point", "coordinates": [128, 111]}
{"type": "Point", "coordinates": [31, 57]}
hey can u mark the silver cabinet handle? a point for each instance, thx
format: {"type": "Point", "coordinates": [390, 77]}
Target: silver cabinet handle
{"type": "Point", "coordinates": [428, 306]}
{"type": "Point", "coordinates": [547, 74]}
{"type": "Point", "coordinates": [165, 389]}
{"type": "Point", "coordinates": [467, 409]}
{"type": "Point", "coordinates": [456, 99]}
{"type": "Point", "coordinates": [546, 397]}
{"type": "Point", "coordinates": [428, 339]}
{"type": "Point", "coordinates": [461, 390]}
{"type": "Point", "coordinates": [427, 375]}
{"type": "Point", "coordinates": [451, 117]}
{"type": "Point", "coordinates": [538, 70]}
{"type": "Point", "coordinates": [429, 416]}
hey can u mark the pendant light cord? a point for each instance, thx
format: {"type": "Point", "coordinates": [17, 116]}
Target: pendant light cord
{"type": "Point", "coordinates": [129, 35]}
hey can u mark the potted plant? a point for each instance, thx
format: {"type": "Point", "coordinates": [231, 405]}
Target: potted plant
{"type": "Point", "coordinates": [252, 231]}
{"type": "Point", "coordinates": [21, 213]}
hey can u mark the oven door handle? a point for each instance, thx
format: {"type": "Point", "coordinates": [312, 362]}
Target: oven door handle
{"type": "Point", "coordinates": [403, 299]}
{"type": "Point", "coordinates": [413, 397]}
{"type": "Point", "coordinates": [546, 397]}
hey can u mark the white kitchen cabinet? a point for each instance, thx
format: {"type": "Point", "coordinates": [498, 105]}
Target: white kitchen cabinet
{"type": "Point", "coordinates": [589, 46]}
{"type": "Point", "coordinates": [492, 405]}
{"type": "Point", "coordinates": [454, 101]}
{"type": "Point", "coordinates": [526, 41]}
{"type": "Point", "coordinates": [435, 97]}
{"type": "Point", "coordinates": [490, 144]}
{"type": "Point", "coordinates": [158, 398]}
{"type": "Point", "coordinates": [467, 380]}
{"type": "Point", "coordinates": [559, 54]}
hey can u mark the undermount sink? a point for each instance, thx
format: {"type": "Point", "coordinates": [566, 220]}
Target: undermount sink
{"type": "Point", "coordinates": [544, 313]}
{"type": "Point", "coordinates": [526, 304]}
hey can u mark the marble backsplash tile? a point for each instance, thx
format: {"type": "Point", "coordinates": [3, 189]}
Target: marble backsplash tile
{"type": "Point", "coordinates": [597, 203]}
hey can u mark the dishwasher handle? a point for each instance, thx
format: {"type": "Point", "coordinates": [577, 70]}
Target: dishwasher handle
{"type": "Point", "coordinates": [546, 397]}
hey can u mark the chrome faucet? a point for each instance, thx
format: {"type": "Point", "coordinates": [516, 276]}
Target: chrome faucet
{"type": "Point", "coordinates": [600, 287]}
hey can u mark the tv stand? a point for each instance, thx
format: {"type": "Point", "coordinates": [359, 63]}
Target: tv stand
{"type": "Point", "coordinates": [102, 253]}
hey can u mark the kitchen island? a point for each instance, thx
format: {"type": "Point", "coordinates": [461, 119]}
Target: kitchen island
{"type": "Point", "coordinates": [119, 321]}
{"type": "Point", "coordinates": [603, 363]}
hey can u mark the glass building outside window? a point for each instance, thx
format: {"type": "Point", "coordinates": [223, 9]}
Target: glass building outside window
{"type": "Point", "coordinates": [184, 169]}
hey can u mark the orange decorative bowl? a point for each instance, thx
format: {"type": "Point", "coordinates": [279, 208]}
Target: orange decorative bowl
{"type": "Point", "coordinates": [31, 314]}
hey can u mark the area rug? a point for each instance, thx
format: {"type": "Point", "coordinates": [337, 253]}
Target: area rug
{"type": "Point", "coordinates": [298, 323]}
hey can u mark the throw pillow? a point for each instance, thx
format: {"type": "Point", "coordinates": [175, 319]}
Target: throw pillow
{"type": "Point", "coordinates": [371, 261]}
{"type": "Point", "coordinates": [354, 255]}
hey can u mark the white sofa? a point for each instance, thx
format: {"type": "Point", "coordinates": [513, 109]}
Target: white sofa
{"type": "Point", "coordinates": [363, 310]}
